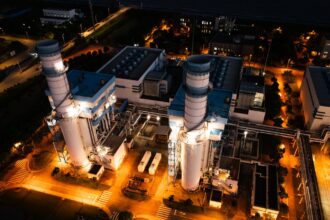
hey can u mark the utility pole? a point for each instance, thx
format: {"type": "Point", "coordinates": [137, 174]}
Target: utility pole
{"type": "Point", "coordinates": [19, 66]}
{"type": "Point", "coordinates": [193, 35]}
{"type": "Point", "coordinates": [92, 13]}
{"type": "Point", "coordinates": [270, 45]}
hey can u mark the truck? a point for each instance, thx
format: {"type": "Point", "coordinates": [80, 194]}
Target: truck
{"type": "Point", "coordinates": [155, 162]}
{"type": "Point", "coordinates": [143, 163]}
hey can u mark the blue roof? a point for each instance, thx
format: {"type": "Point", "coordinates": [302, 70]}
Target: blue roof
{"type": "Point", "coordinates": [88, 84]}
{"type": "Point", "coordinates": [218, 103]}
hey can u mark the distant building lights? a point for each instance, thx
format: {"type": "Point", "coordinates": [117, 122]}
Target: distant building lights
{"type": "Point", "coordinates": [18, 144]}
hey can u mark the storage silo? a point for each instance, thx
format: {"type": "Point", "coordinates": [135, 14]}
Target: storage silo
{"type": "Point", "coordinates": [66, 112]}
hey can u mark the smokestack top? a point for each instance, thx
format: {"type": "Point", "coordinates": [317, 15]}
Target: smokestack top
{"type": "Point", "coordinates": [45, 47]}
{"type": "Point", "coordinates": [198, 63]}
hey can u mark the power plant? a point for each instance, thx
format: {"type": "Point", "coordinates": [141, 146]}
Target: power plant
{"type": "Point", "coordinates": [83, 105]}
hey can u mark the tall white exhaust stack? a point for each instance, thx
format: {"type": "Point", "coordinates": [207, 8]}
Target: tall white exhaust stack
{"type": "Point", "coordinates": [55, 73]}
{"type": "Point", "coordinates": [193, 139]}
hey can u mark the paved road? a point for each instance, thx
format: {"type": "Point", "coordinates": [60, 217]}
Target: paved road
{"type": "Point", "coordinates": [20, 77]}
{"type": "Point", "coordinates": [290, 162]}
{"type": "Point", "coordinates": [314, 207]}
{"type": "Point", "coordinates": [322, 168]}
{"type": "Point", "coordinates": [30, 43]}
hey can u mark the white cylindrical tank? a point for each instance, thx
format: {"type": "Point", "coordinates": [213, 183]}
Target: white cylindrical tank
{"type": "Point", "coordinates": [143, 163]}
{"type": "Point", "coordinates": [193, 139]}
{"type": "Point", "coordinates": [155, 162]}
{"type": "Point", "coordinates": [55, 73]}
{"type": "Point", "coordinates": [71, 134]}
{"type": "Point", "coordinates": [191, 163]}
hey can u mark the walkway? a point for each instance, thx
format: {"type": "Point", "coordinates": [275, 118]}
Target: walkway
{"type": "Point", "coordinates": [290, 161]}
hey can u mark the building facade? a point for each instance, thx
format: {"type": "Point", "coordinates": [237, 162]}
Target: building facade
{"type": "Point", "coordinates": [232, 44]}
{"type": "Point", "coordinates": [325, 47]}
{"type": "Point", "coordinates": [83, 105]}
{"type": "Point", "coordinates": [315, 97]}
{"type": "Point", "coordinates": [140, 72]}
{"type": "Point", "coordinates": [248, 103]}
{"type": "Point", "coordinates": [57, 16]}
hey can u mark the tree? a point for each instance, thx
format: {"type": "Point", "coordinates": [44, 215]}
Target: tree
{"type": "Point", "coordinates": [188, 202]}
{"type": "Point", "coordinates": [270, 146]}
{"type": "Point", "coordinates": [273, 79]}
{"type": "Point", "coordinates": [257, 216]}
{"type": "Point", "coordinates": [94, 53]}
{"type": "Point", "coordinates": [287, 88]}
{"type": "Point", "coordinates": [273, 101]}
{"type": "Point", "coordinates": [284, 208]}
{"type": "Point", "coordinates": [106, 49]}
{"type": "Point", "coordinates": [49, 35]}
{"type": "Point", "coordinates": [283, 171]}
{"type": "Point", "coordinates": [283, 194]}
{"type": "Point", "coordinates": [278, 122]}
{"type": "Point", "coordinates": [280, 179]}
{"type": "Point", "coordinates": [125, 215]}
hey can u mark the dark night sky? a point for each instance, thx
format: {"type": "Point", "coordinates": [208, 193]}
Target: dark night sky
{"type": "Point", "coordinates": [296, 11]}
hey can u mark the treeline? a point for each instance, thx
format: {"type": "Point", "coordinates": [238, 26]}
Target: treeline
{"type": "Point", "coordinates": [22, 109]}
{"type": "Point", "coordinates": [91, 61]}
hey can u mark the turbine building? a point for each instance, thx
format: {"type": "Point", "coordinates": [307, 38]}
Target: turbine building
{"type": "Point", "coordinates": [198, 115]}
{"type": "Point", "coordinates": [83, 106]}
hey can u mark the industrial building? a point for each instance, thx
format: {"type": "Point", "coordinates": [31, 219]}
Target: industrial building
{"type": "Point", "coordinates": [265, 192]}
{"type": "Point", "coordinates": [57, 16]}
{"type": "Point", "coordinates": [141, 75]}
{"type": "Point", "coordinates": [83, 106]}
{"type": "Point", "coordinates": [198, 115]}
{"type": "Point", "coordinates": [225, 177]}
{"type": "Point", "coordinates": [213, 89]}
{"type": "Point", "coordinates": [249, 102]}
{"type": "Point", "coordinates": [232, 44]}
{"type": "Point", "coordinates": [325, 47]}
{"type": "Point", "coordinates": [315, 97]}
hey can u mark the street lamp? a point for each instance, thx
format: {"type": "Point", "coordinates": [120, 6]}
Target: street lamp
{"type": "Point", "coordinates": [287, 65]}
{"type": "Point", "coordinates": [63, 38]}
{"type": "Point", "coordinates": [269, 46]}
{"type": "Point", "coordinates": [245, 134]}
{"type": "Point", "coordinates": [250, 58]}
{"type": "Point", "coordinates": [148, 117]}
{"type": "Point", "coordinates": [158, 118]}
